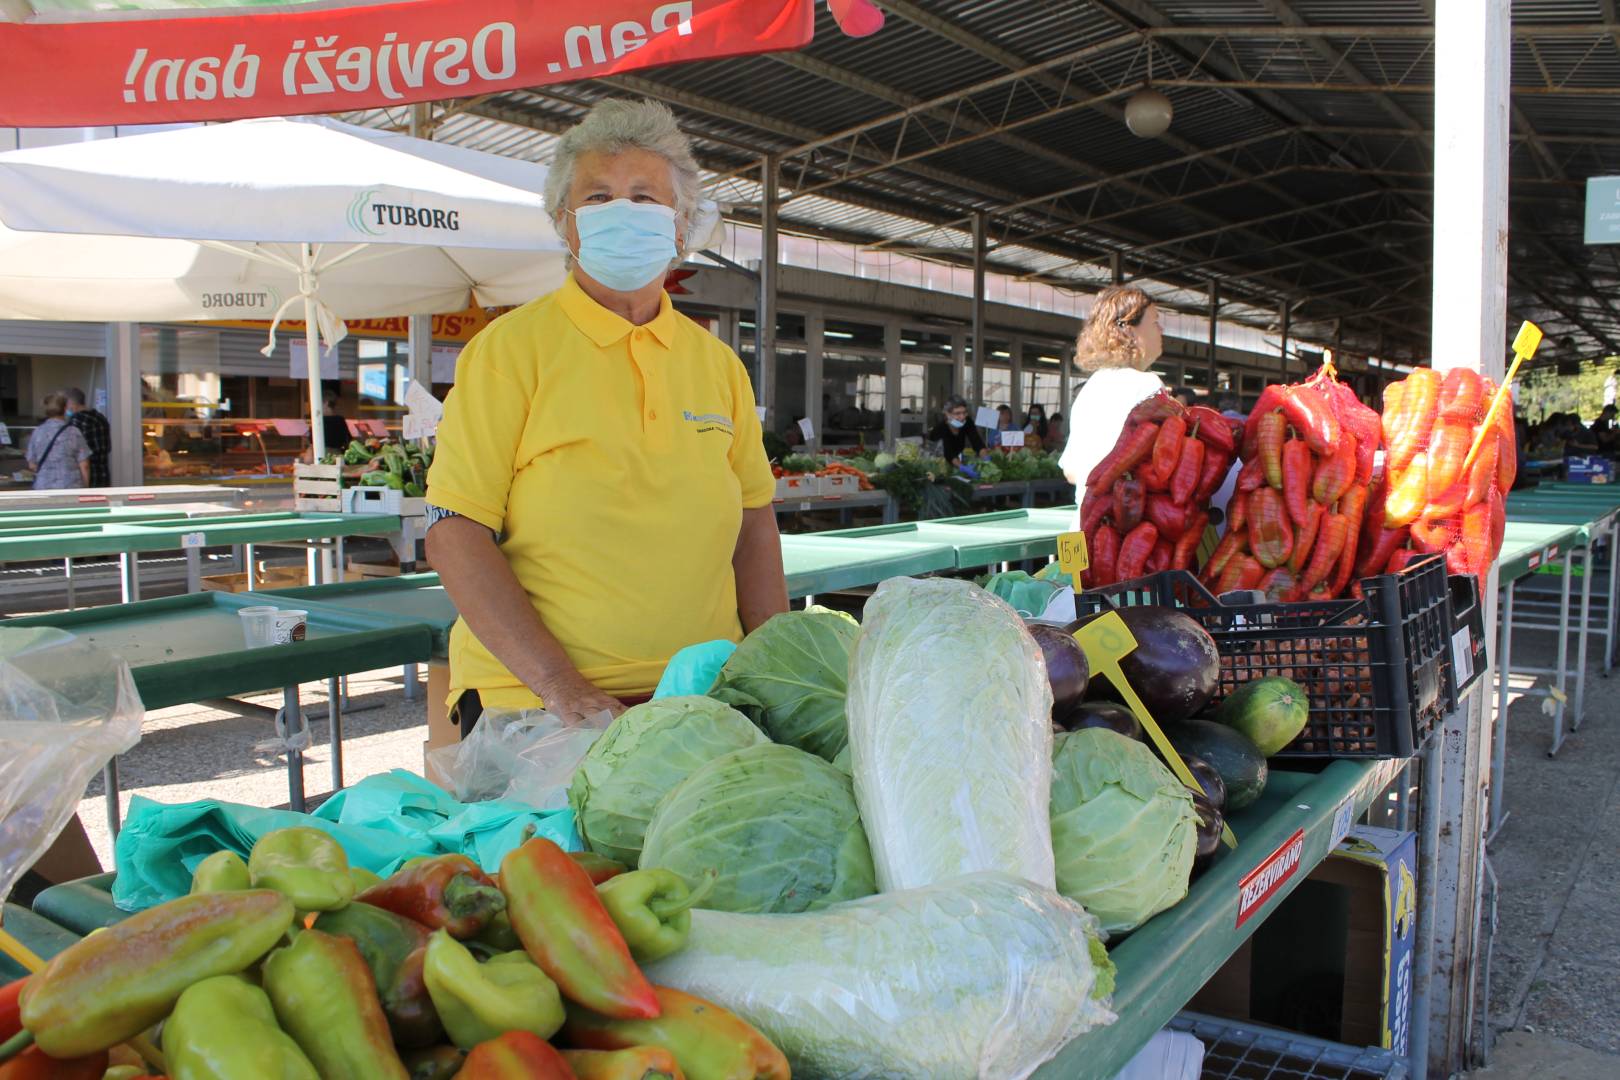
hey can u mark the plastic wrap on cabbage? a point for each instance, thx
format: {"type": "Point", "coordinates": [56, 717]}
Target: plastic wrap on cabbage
{"type": "Point", "coordinates": [778, 826]}
{"type": "Point", "coordinates": [790, 676]}
{"type": "Point", "coordinates": [648, 750]}
{"type": "Point", "coordinates": [980, 976]}
{"type": "Point", "coordinates": [950, 736]}
{"type": "Point", "coordinates": [1124, 830]}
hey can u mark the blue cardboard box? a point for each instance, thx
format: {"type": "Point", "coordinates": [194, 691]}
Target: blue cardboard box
{"type": "Point", "coordinates": [1389, 858]}
{"type": "Point", "coordinates": [1589, 470]}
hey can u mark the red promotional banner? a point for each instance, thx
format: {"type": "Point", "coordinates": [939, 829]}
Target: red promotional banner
{"type": "Point", "coordinates": [160, 67]}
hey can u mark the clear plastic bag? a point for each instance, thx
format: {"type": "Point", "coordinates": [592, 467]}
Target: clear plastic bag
{"type": "Point", "coordinates": [66, 709]}
{"type": "Point", "coordinates": [980, 976]}
{"type": "Point", "coordinates": [528, 755]}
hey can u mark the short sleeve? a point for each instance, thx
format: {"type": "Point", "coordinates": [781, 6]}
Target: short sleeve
{"type": "Point", "coordinates": [476, 454]}
{"type": "Point", "coordinates": [748, 458]}
{"type": "Point", "coordinates": [82, 451]}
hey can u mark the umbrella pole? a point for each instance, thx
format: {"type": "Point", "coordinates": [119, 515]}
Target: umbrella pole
{"type": "Point", "coordinates": [312, 353]}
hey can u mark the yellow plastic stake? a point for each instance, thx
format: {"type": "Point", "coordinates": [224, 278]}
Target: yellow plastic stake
{"type": "Point", "coordinates": [1106, 641]}
{"type": "Point", "coordinates": [1525, 343]}
{"type": "Point", "coordinates": [1071, 554]}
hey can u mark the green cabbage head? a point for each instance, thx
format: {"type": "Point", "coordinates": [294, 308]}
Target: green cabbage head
{"type": "Point", "coordinates": [777, 825]}
{"type": "Point", "coordinates": [791, 675]}
{"type": "Point", "coordinates": [1124, 830]}
{"type": "Point", "coordinates": [648, 750]}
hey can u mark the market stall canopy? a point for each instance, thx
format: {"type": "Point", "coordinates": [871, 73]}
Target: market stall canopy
{"type": "Point", "coordinates": [73, 62]}
{"type": "Point", "coordinates": [245, 220]}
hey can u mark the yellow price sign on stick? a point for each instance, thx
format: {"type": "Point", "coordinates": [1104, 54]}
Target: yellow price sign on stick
{"type": "Point", "coordinates": [1071, 554]}
{"type": "Point", "coordinates": [1106, 641]}
{"type": "Point", "coordinates": [1525, 343]}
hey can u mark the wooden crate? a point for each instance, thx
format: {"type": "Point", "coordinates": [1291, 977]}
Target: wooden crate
{"type": "Point", "coordinates": [318, 488]}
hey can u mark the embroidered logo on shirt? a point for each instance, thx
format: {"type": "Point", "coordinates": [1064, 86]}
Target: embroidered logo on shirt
{"type": "Point", "coordinates": [708, 421]}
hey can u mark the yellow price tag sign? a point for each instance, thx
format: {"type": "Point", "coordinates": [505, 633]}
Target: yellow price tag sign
{"type": "Point", "coordinates": [1071, 554]}
{"type": "Point", "coordinates": [1527, 340]}
{"type": "Point", "coordinates": [1106, 641]}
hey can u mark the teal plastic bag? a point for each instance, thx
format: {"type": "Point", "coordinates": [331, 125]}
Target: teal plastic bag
{"type": "Point", "coordinates": [1028, 596]}
{"type": "Point", "coordinates": [694, 669]}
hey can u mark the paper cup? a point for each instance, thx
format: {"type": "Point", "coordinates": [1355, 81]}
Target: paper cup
{"type": "Point", "coordinates": [257, 625]}
{"type": "Point", "coordinates": [288, 626]}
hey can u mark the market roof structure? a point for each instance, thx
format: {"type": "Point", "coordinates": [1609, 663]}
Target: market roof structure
{"type": "Point", "coordinates": [1296, 173]}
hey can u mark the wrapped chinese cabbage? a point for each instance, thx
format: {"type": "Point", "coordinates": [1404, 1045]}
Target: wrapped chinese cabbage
{"type": "Point", "coordinates": [979, 976]}
{"type": "Point", "coordinates": [950, 736]}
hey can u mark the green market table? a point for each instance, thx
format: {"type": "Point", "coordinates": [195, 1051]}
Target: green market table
{"type": "Point", "coordinates": [1597, 505]}
{"type": "Point", "coordinates": [153, 494]}
{"type": "Point", "coordinates": [978, 540]}
{"type": "Point", "coordinates": [184, 649]}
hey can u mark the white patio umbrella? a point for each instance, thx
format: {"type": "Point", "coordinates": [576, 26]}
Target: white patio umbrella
{"type": "Point", "coordinates": [249, 219]}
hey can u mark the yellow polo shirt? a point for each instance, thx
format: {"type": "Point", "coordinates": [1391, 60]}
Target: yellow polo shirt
{"type": "Point", "coordinates": [614, 463]}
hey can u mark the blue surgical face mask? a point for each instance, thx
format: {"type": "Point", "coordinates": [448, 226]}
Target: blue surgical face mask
{"type": "Point", "coordinates": [956, 425]}
{"type": "Point", "coordinates": [625, 245]}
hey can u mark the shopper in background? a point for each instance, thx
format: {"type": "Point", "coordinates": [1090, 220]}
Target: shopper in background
{"type": "Point", "coordinates": [57, 451]}
{"type": "Point", "coordinates": [1036, 424]}
{"type": "Point", "coordinates": [1186, 395]}
{"type": "Point", "coordinates": [1055, 432]}
{"type": "Point", "coordinates": [1004, 422]}
{"type": "Point", "coordinates": [955, 431]}
{"type": "Point", "coordinates": [97, 436]}
{"type": "Point", "coordinates": [1229, 406]}
{"type": "Point", "coordinates": [333, 423]}
{"type": "Point", "coordinates": [1118, 345]}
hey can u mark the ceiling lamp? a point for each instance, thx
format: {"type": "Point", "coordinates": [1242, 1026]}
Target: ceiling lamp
{"type": "Point", "coordinates": [1148, 113]}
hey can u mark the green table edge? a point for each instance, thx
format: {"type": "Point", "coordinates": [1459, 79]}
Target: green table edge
{"type": "Point", "coordinates": [41, 936]}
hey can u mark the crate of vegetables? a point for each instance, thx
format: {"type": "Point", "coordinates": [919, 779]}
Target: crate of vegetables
{"type": "Point", "coordinates": [1377, 670]}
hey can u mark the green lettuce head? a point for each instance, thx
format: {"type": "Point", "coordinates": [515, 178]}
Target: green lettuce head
{"type": "Point", "coordinates": [648, 750]}
{"type": "Point", "coordinates": [779, 826]}
{"type": "Point", "coordinates": [1124, 830]}
{"type": "Point", "coordinates": [791, 676]}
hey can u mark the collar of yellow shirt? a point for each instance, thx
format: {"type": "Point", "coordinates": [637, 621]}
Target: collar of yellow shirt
{"type": "Point", "coordinates": [607, 327]}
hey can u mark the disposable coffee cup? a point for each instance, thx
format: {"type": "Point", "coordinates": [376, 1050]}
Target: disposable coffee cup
{"type": "Point", "coordinates": [288, 626]}
{"type": "Point", "coordinates": [257, 625]}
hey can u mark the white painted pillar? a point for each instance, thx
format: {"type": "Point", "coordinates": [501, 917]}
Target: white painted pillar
{"type": "Point", "coordinates": [419, 328]}
{"type": "Point", "coordinates": [891, 384]}
{"type": "Point", "coordinates": [1472, 89]}
{"type": "Point", "coordinates": [815, 325]}
{"type": "Point", "coordinates": [124, 403]}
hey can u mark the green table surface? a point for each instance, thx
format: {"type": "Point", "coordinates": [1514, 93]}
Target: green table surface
{"type": "Point", "coordinates": [183, 649]}
{"type": "Point", "coordinates": [978, 539]}
{"type": "Point", "coordinates": [415, 598]}
{"type": "Point", "coordinates": [41, 936]}
{"type": "Point", "coordinates": [822, 562]}
{"type": "Point", "coordinates": [1527, 545]}
{"type": "Point", "coordinates": [220, 531]}
{"type": "Point", "coordinates": [1165, 962]}
{"type": "Point", "coordinates": [1160, 966]}
{"type": "Point", "coordinates": [112, 515]}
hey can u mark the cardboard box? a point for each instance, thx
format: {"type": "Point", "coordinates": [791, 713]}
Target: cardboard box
{"type": "Point", "coordinates": [442, 731]}
{"type": "Point", "coordinates": [838, 485]}
{"type": "Point", "coordinates": [1335, 959]}
{"type": "Point", "coordinates": [264, 577]}
{"type": "Point", "coordinates": [798, 486]}
{"type": "Point", "coordinates": [1589, 470]}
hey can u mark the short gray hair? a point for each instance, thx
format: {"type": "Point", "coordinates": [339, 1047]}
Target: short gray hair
{"type": "Point", "coordinates": [74, 395]}
{"type": "Point", "coordinates": [620, 124]}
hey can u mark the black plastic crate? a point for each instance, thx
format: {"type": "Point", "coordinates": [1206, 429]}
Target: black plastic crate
{"type": "Point", "coordinates": [1470, 654]}
{"type": "Point", "coordinates": [1377, 670]}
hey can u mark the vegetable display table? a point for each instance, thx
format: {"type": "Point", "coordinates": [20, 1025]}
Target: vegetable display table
{"type": "Point", "coordinates": [825, 562]}
{"type": "Point", "coordinates": [1597, 505]}
{"type": "Point", "coordinates": [978, 540]}
{"type": "Point", "coordinates": [1281, 838]}
{"type": "Point", "coordinates": [184, 649]}
{"type": "Point", "coordinates": [125, 496]}
{"type": "Point", "coordinates": [37, 933]}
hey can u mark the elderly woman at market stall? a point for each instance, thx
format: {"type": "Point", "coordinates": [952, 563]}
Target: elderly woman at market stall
{"type": "Point", "coordinates": [600, 497]}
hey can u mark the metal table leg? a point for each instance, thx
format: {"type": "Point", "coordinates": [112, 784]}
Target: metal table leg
{"type": "Point", "coordinates": [413, 684]}
{"type": "Point", "coordinates": [338, 573]}
{"type": "Point", "coordinates": [1563, 655]}
{"type": "Point", "coordinates": [1586, 630]}
{"type": "Point", "coordinates": [109, 781]}
{"type": "Point", "coordinates": [193, 570]}
{"type": "Point", "coordinates": [1504, 662]}
{"type": "Point", "coordinates": [248, 548]}
{"type": "Point", "coordinates": [72, 589]}
{"type": "Point", "coordinates": [334, 727]}
{"type": "Point", "coordinates": [1614, 596]}
{"type": "Point", "coordinates": [129, 572]}
{"type": "Point", "coordinates": [289, 721]}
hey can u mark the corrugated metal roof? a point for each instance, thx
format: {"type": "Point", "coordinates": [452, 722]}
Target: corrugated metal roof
{"type": "Point", "coordinates": [1296, 166]}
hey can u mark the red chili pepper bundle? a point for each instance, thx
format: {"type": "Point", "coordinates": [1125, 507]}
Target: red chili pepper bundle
{"type": "Point", "coordinates": [1305, 537]}
{"type": "Point", "coordinates": [1271, 537]}
{"type": "Point", "coordinates": [1134, 445]}
{"type": "Point", "coordinates": [1182, 555]}
{"type": "Point", "coordinates": [1130, 501]}
{"type": "Point", "coordinates": [1309, 413]}
{"type": "Point", "coordinates": [1212, 475]}
{"type": "Point", "coordinates": [1190, 469]}
{"type": "Point", "coordinates": [1168, 516]}
{"type": "Point", "coordinates": [1134, 551]}
{"type": "Point", "coordinates": [1167, 447]}
{"type": "Point", "coordinates": [1212, 429]}
{"type": "Point", "coordinates": [1296, 473]}
{"type": "Point", "coordinates": [1273, 430]}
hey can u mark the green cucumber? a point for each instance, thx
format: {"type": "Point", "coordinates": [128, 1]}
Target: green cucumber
{"type": "Point", "coordinates": [1229, 752]}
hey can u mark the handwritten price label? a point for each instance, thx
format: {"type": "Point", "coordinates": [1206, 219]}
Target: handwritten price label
{"type": "Point", "coordinates": [1071, 554]}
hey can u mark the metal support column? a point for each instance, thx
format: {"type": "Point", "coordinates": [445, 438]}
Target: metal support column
{"type": "Point", "coordinates": [1287, 313]}
{"type": "Point", "coordinates": [975, 387]}
{"type": "Point", "coordinates": [1471, 143]}
{"type": "Point", "coordinates": [419, 328]}
{"type": "Point", "coordinates": [815, 323]}
{"type": "Point", "coordinates": [891, 384]}
{"type": "Point", "coordinates": [334, 728]}
{"type": "Point", "coordinates": [1066, 383]}
{"type": "Point", "coordinates": [1504, 664]}
{"type": "Point", "coordinates": [769, 255]}
{"type": "Point", "coordinates": [124, 403]}
{"type": "Point", "coordinates": [129, 573]}
{"type": "Point", "coordinates": [1214, 316]}
{"type": "Point", "coordinates": [290, 726]}
{"type": "Point", "coordinates": [1116, 267]}
{"type": "Point", "coordinates": [1019, 405]}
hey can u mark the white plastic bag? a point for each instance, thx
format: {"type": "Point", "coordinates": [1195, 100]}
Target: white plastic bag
{"type": "Point", "coordinates": [981, 976]}
{"type": "Point", "coordinates": [528, 755]}
{"type": "Point", "coordinates": [950, 736]}
{"type": "Point", "coordinates": [66, 709]}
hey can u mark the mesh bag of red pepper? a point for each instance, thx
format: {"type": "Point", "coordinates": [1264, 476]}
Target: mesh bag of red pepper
{"type": "Point", "coordinates": [1295, 520]}
{"type": "Point", "coordinates": [1147, 502]}
{"type": "Point", "coordinates": [1450, 459]}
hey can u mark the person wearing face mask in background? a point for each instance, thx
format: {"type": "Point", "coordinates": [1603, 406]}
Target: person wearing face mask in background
{"type": "Point", "coordinates": [954, 432]}
{"type": "Point", "coordinates": [1036, 428]}
{"type": "Point", "coordinates": [600, 496]}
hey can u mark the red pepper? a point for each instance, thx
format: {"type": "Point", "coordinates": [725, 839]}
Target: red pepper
{"type": "Point", "coordinates": [1212, 475]}
{"type": "Point", "coordinates": [1278, 584]}
{"type": "Point", "coordinates": [1401, 557]}
{"type": "Point", "coordinates": [516, 1055]}
{"type": "Point", "coordinates": [708, 1042]}
{"type": "Point", "coordinates": [1434, 534]}
{"type": "Point", "coordinates": [1104, 556]}
{"type": "Point", "coordinates": [1159, 558]}
{"type": "Point", "coordinates": [1161, 406]}
{"type": "Point", "coordinates": [1271, 399]}
{"type": "Point", "coordinates": [1478, 550]}
{"type": "Point", "coordinates": [1482, 473]}
{"type": "Point", "coordinates": [445, 892]}
{"type": "Point", "coordinates": [1129, 503]}
{"type": "Point", "coordinates": [569, 934]}
{"type": "Point", "coordinates": [1237, 511]}
{"type": "Point", "coordinates": [1273, 430]}
{"type": "Point", "coordinates": [1406, 498]}
{"type": "Point", "coordinates": [1312, 418]}
{"type": "Point", "coordinates": [1233, 543]}
{"type": "Point", "coordinates": [1329, 545]}
{"type": "Point", "coordinates": [1358, 420]}
{"type": "Point", "coordinates": [1093, 510]}
{"type": "Point", "coordinates": [1134, 551]}
{"type": "Point", "coordinates": [1409, 417]}
{"type": "Point", "coordinates": [1166, 455]}
{"type": "Point", "coordinates": [1135, 443]}
{"type": "Point", "coordinates": [1305, 537]}
{"type": "Point", "coordinates": [1375, 557]}
{"type": "Point", "coordinates": [1449, 441]}
{"type": "Point", "coordinates": [1335, 474]}
{"type": "Point", "coordinates": [1168, 516]}
{"type": "Point", "coordinates": [34, 1064]}
{"type": "Point", "coordinates": [10, 1008]}
{"type": "Point", "coordinates": [1353, 506]}
{"type": "Point", "coordinates": [1186, 549]}
{"type": "Point", "coordinates": [1243, 572]}
{"type": "Point", "coordinates": [1271, 537]}
{"type": "Point", "coordinates": [1296, 471]}
{"type": "Point", "coordinates": [1212, 429]}
{"type": "Point", "coordinates": [1252, 476]}
{"type": "Point", "coordinates": [1497, 501]}
{"type": "Point", "coordinates": [1507, 462]}
{"type": "Point", "coordinates": [1462, 395]}
{"type": "Point", "coordinates": [1188, 471]}
{"type": "Point", "coordinates": [1448, 503]}
{"type": "Point", "coordinates": [631, 1063]}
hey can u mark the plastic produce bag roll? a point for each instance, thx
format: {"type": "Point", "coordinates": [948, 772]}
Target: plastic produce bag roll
{"type": "Point", "coordinates": [950, 736]}
{"type": "Point", "coordinates": [980, 976]}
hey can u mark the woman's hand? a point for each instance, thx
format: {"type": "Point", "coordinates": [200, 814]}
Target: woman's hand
{"type": "Point", "coordinates": [573, 699]}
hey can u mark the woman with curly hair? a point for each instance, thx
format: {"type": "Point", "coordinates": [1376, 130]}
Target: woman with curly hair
{"type": "Point", "coordinates": [1117, 346]}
